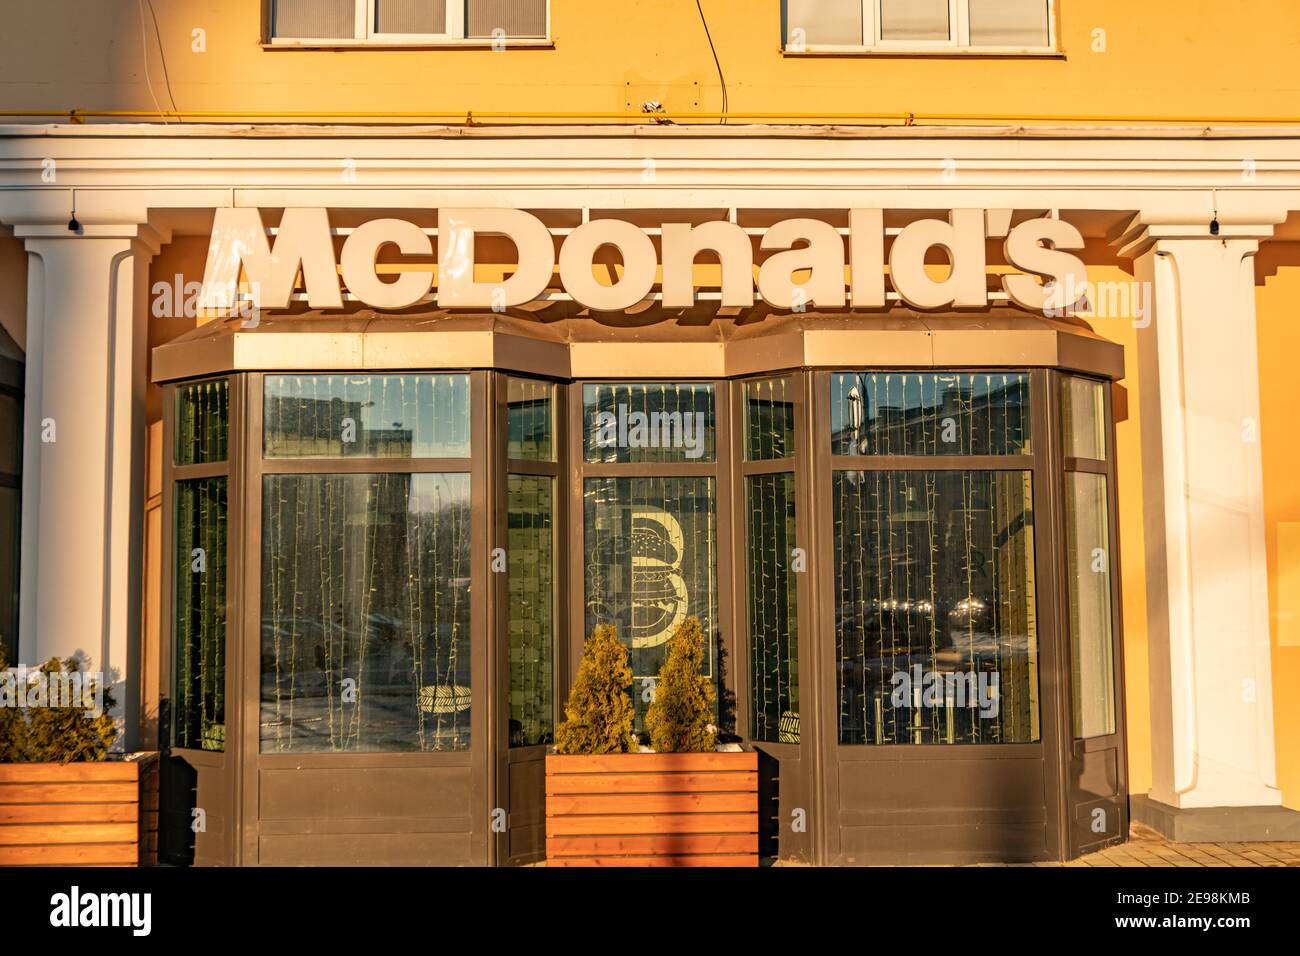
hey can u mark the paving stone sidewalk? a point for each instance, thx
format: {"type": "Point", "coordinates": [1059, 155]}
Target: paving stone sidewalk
{"type": "Point", "coordinates": [1146, 847]}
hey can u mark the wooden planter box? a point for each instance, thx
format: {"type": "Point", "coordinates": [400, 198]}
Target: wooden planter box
{"type": "Point", "coordinates": [79, 814]}
{"type": "Point", "coordinates": [652, 809]}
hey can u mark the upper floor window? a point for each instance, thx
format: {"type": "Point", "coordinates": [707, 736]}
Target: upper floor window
{"type": "Point", "coordinates": [919, 26]}
{"type": "Point", "coordinates": [406, 21]}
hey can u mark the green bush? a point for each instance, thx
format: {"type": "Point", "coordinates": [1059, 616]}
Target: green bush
{"type": "Point", "coordinates": [680, 718]}
{"type": "Point", "coordinates": [598, 714]}
{"type": "Point", "coordinates": [55, 734]}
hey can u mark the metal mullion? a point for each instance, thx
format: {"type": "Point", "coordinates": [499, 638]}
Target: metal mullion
{"type": "Point", "coordinates": [1055, 701]}
{"type": "Point", "coordinates": [524, 466]}
{"type": "Point", "coordinates": [933, 463]}
{"type": "Point", "coordinates": [362, 466]}
{"type": "Point", "coordinates": [210, 469]}
{"type": "Point", "coordinates": [650, 470]}
{"type": "Point", "coordinates": [767, 467]}
{"type": "Point", "coordinates": [1092, 466]}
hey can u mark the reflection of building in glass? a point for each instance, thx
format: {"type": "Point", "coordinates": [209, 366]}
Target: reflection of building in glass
{"type": "Point", "coordinates": [313, 426]}
{"type": "Point", "coordinates": [934, 568]}
{"type": "Point", "coordinates": [929, 414]}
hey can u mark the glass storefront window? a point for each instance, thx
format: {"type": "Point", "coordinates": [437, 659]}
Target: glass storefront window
{"type": "Point", "coordinates": [1091, 642]}
{"type": "Point", "coordinates": [773, 621]}
{"type": "Point", "coordinates": [530, 612]}
{"type": "Point", "coordinates": [930, 413]}
{"type": "Point", "coordinates": [367, 416]}
{"type": "Point", "coordinates": [530, 415]}
{"type": "Point", "coordinates": [935, 629]}
{"type": "Point", "coordinates": [651, 556]}
{"type": "Point", "coordinates": [202, 422]}
{"type": "Point", "coordinates": [769, 419]}
{"type": "Point", "coordinates": [200, 613]}
{"type": "Point", "coordinates": [650, 422]}
{"type": "Point", "coordinates": [1083, 410]}
{"type": "Point", "coordinates": [365, 612]}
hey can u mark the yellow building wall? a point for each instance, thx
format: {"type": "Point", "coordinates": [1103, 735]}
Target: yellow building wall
{"type": "Point", "coordinates": [1278, 304]}
{"type": "Point", "coordinates": [1195, 59]}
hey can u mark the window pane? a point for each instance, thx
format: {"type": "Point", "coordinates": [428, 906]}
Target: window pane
{"type": "Point", "coordinates": [518, 18]}
{"type": "Point", "coordinates": [411, 16]}
{"type": "Point", "coordinates": [10, 521]}
{"type": "Point", "coordinates": [1083, 408]}
{"type": "Point", "coordinates": [315, 19]}
{"type": "Point", "coordinates": [644, 423]}
{"type": "Point", "coordinates": [11, 434]}
{"type": "Point", "coordinates": [202, 422]}
{"type": "Point", "coordinates": [531, 608]}
{"type": "Point", "coordinates": [367, 416]}
{"type": "Point", "coordinates": [530, 412]}
{"type": "Point", "coordinates": [1008, 23]}
{"type": "Point", "coordinates": [365, 613]}
{"type": "Point", "coordinates": [913, 20]}
{"type": "Point", "coordinates": [1092, 656]}
{"type": "Point", "coordinates": [773, 623]}
{"type": "Point", "coordinates": [829, 22]}
{"type": "Point", "coordinates": [935, 624]}
{"type": "Point", "coordinates": [200, 607]}
{"type": "Point", "coordinates": [769, 419]}
{"type": "Point", "coordinates": [927, 413]}
{"type": "Point", "coordinates": [651, 552]}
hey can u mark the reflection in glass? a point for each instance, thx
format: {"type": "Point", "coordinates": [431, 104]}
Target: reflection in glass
{"type": "Point", "coordinates": [827, 22]}
{"type": "Point", "coordinates": [1015, 23]}
{"type": "Point", "coordinates": [914, 20]}
{"type": "Point", "coordinates": [368, 416]}
{"type": "Point", "coordinates": [928, 413]}
{"type": "Point", "coordinates": [530, 610]}
{"type": "Point", "coordinates": [202, 421]}
{"type": "Point", "coordinates": [769, 419]}
{"type": "Point", "coordinates": [655, 422]}
{"type": "Point", "coordinates": [773, 623]}
{"type": "Point", "coordinates": [365, 612]}
{"type": "Point", "coordinates": [935, 627]}
{"type": "Point", "coordinates": [1083, 410]}
{"type": "Point", "coordinates": [200, 606]}
{"type": "Point", "coordinates": [11, 434]}
{"type": "Point", "coordinates": [1087, 538]}
{"type": "Point", "coordinates": [651, 554]}
{"type": "Point", "coordinates": [530, 411]}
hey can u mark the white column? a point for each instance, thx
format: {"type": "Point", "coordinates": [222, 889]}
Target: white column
{"type": "Point", "coordinates": [1206, 570]}
{"type": "Point", "coordinates": [83, 453]}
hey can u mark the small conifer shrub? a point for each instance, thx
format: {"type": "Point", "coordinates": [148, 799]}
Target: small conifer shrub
{"type": "Point", "coordinates": [680, 718]}
{"type": "Point", "coordinates": [598, 714]}
{"type": "Point", "coordinates": [50, 734]}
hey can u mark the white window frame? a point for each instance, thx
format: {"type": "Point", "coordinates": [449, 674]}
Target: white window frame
{"type": "Point", "coordinates": [958, 42]}
{"type": "Point", "coordinates": [364, 34]}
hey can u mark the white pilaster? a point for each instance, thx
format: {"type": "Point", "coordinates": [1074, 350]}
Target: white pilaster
{"type": "Point", "coordinates": [1207, 578]}
{"type": "Point", "coordinates": [83, 452]}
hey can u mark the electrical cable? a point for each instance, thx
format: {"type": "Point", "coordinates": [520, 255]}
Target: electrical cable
{"type": "Point", "coordinates": [144, 45]}
{"type": "Point", "coordinates": [721, 79]}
